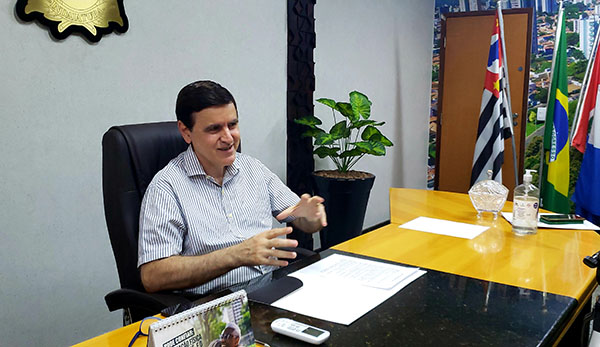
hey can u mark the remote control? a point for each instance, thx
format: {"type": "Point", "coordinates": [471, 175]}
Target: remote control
{"type": "Point", "coordinates": [300, 331]}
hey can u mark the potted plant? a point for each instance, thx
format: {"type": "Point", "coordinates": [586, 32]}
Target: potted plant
{"type": "Point", "coordinates": [346, 192]}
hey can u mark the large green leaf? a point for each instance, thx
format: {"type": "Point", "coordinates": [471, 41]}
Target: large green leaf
{"type": "Point", "coordinates": [362, 122]}
{"type": "Point", "coordinates": [325, 151]}
{"type": "Point", "coordinates": [309, 121]}
{"type": "Point", "coordinates": [381, 139]}
{"type": "Point", "coordinates": [373, 134]}
{"type": "Point", "coordinates": [371, 147]}
{"type": "Point", "coordinates": [354, 152]}
{"type": "Point", "coordinates": [346, 110]}
{"type": "Point", "coordinates": [324, 139]}
{"type": "Point", "coordinates": [313, 132]}
{"type": "Point", "coordinates": [327, 102]}
{"type": "Point", "coordinates": [369, 132]}
{"type": "Point", "coordinates": [361, 105]}
{"type": "Point", "coordinates": [340, 130]}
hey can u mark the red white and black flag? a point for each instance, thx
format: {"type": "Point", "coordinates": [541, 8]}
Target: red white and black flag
{"type": "Point", "coordinates": [493, 126]}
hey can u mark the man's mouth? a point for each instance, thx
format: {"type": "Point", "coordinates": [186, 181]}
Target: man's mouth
{"type": "Point", "coordinates": [226, 148]}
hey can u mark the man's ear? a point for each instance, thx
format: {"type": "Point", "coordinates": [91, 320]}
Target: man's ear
{"type": "Point", "coordinates": [185, 132]}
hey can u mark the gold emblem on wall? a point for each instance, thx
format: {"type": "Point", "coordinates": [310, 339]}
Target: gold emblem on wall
{"type": "Point", "coordinates": [92, 18]}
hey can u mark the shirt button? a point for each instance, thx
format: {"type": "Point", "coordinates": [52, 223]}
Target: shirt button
{"type": "Point", "coordinates": [229, 215]}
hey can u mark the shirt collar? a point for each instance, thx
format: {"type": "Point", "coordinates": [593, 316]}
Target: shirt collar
{"type": "Point", "coordinates": [194, 168]}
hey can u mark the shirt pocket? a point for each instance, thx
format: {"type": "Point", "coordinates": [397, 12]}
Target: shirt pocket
{"type": "Point", "coordinates": [252, 208]}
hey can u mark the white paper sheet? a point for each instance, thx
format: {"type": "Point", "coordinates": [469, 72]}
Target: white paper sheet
{"type": "Point", "coordinates": [360, 271]}
{"type": "Point", "coordinates": [577, 226]}
{"type": "Point", "coordinates": [445, 227]}
{"type": "Point", "coordinates": [332, 291]}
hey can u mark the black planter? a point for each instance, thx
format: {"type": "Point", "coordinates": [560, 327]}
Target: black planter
{"type": "Point", "coordinates": [345, 203]}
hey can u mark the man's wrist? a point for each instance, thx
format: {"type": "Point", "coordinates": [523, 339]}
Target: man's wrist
{"type": "Point", "coordinates": [307, 225]}
{"type": "Point", "coordinates": [232, 256]}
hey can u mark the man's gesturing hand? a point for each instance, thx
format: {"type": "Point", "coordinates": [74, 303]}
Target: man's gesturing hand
{"type": "Point", "coordinates": [260, 249]}
{"type": "Point", "coordinates": [309, 207]}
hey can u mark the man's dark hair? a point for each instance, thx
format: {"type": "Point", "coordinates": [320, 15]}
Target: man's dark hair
{"type": "Point", "coordinates": [199, 95]}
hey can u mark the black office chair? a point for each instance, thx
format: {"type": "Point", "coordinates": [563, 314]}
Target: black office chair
{"type": "Point", "coordinates": [131, 156]}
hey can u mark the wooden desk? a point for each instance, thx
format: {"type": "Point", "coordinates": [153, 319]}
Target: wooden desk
{"type": "Point", "coordinates": [117, 337]}
{"type": "Point", "coordinates": [497, 289]}
{"type": "Point", "coordinates": [549, 261]}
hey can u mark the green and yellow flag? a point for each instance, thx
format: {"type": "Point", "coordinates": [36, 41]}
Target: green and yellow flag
{"type": "Point", "coordinates": [555, 176]}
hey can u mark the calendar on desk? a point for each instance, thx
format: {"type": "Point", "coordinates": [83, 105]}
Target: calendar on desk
{"type": "Point", "coordinates": [211, 324]}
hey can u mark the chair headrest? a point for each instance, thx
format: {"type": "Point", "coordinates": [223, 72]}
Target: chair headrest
{"type": "Point", "coordinates": [151, 146]}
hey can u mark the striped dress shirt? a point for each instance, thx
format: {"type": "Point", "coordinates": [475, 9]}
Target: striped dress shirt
{"type": "Point", "coordinates": [186, 212]}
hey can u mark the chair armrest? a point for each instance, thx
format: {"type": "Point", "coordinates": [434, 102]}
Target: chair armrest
{"type": "Point", "coordinates": [140, 303]}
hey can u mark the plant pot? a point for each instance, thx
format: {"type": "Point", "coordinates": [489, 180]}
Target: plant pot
{"type": "Point", "coordinates": [345, 204]}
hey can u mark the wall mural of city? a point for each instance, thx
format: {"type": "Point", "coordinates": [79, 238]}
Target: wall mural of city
{"type": "Point", "coordinates": [582, 22]}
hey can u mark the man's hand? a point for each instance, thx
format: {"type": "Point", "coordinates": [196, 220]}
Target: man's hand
{"type": "Point", "coordinates": [260, 249]}
{"type": "Point", "coordinates": [178, 272]}
{"type": "Point", "coordinates": [310, 208]}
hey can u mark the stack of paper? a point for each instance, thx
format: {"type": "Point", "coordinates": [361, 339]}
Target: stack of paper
{"type": "Point", "coordinates": [342, 288]}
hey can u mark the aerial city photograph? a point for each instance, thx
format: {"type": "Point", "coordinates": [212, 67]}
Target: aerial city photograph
{"type": "Point", "coordinates": [582, 21]}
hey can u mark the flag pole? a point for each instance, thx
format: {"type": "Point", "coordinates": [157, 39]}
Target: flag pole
{"type": "Point", "coordinates": [556, 41]}
{"type": "Point", "coordinates": [507, 93]}
{"type": "Point", "coordinates": [584, 87]}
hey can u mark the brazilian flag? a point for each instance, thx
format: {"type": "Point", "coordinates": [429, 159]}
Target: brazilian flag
{"type": "Point", "coordinates": [555, 177]}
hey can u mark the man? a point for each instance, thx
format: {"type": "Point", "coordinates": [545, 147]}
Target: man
{"type": "Point", "coordinates": [206, 218]}
{"type": "Point", "coordinates": [230, 337]}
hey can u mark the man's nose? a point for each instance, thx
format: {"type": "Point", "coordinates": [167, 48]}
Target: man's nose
{"type": "Point", "coordinates": [226, 135]}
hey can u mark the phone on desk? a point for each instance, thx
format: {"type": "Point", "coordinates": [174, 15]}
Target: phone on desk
{"type": "Point", "coordinates": [561, 219]}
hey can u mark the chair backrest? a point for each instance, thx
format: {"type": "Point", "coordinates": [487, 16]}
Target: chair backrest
{"type": "Point", "coordinates": [131, 156]}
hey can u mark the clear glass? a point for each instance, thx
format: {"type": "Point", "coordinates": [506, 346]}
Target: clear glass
{"type": "Point", "coordinates": [488, 196]}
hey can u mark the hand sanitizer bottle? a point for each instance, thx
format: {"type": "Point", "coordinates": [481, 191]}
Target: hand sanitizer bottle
{"type": "Point", "coordinates": [526, 200]}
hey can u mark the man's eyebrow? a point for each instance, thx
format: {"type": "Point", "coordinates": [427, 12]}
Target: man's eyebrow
{"type": "Point", "coordinates": [217, 126]}
{"type": "Point", "coordinates": [213, 126]}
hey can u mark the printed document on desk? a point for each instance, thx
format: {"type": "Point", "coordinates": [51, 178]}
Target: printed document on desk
{"type": "Point", "coordinates": [343, 288]}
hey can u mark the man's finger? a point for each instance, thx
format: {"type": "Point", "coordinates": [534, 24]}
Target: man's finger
{"type": "Point", "coordinates": [281, 254]}
{"type": "Point", "coordinates": [323, 216]}
{"type": "Point", "coordinates": [274, 233]}
{"type": "Point", "coordinates": [286, 213]}
{"type": "Point", "coordinates": [279, 243]}
{"type": "Point", "coordinates": [316, 200]}
{"type": "Point", "coordinates": [276, 262]}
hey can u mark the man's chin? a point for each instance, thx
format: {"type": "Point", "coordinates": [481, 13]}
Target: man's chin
{"type": "Point", "coordinates": [228, 159]}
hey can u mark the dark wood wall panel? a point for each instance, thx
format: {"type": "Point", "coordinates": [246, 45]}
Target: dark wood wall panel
{"type": "Point", "coordinates": [300, 89]}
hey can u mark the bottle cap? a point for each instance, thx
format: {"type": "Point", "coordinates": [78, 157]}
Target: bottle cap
{"type": "Point", "coordinates": [527, 176]}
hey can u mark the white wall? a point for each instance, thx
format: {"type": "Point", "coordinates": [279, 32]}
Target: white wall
{"type": "Point", "coordinates": [383, 49]}
{"type": "Point", "coordinates": [57, 98]}
{"type": "Point", "coordinates": [56, 101]}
